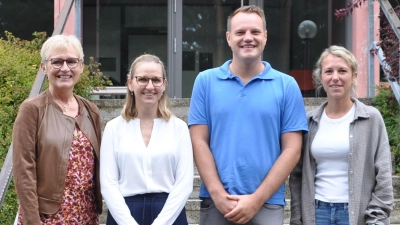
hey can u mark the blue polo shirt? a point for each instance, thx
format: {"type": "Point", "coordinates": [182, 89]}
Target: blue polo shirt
{"type": "Point", "coordinates": [245, 124]}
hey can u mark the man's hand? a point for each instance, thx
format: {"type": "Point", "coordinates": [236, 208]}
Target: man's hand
{"type": "Point", "coordinates": [247, 206]}
{"type": "Point", "coordinates": [224, 204]}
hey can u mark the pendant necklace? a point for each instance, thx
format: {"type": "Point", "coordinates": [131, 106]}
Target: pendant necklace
{"type": "Point", "coordinates": [76, 134]}
{"type": "Point", "coordinates": [146, 124]}
{"type": "Point", "coordinates": [64, 108]}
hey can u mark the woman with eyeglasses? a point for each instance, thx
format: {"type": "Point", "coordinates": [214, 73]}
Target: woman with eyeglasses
{"type": "Point", "coordinates": [56, 144]}
{"type": "Point", "coordinates": [147, 161]}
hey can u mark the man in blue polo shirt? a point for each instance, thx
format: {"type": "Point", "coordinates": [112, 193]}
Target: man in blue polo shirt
{"type": "Point", "coordinates": [246, 123]}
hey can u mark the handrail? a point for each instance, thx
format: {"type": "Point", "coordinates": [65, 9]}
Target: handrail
{"type": "Point", "coordinates": [394, 22]}
{"type": "Point", "coordinates": [391, 16]}
{"type": "Point", "coordinates": [6, 170]}
{"type": "Point", "coordinates": [386, 70]}
{"type": "Point", "coordinates": [115, 90]}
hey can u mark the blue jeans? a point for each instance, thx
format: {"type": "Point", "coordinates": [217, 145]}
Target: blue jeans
{"type": "Point", "coordinates": [146, 207]}
{"type": "Point", "coordinates": [331, 213]}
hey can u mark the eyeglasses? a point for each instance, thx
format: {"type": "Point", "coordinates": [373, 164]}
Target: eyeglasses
{"type": "Point", "coordinates": [156, 81]}
{"type": "Point", "coordinates": [57, 63]}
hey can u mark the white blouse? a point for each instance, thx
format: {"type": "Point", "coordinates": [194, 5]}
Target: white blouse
{"type": "Point", "coordinates": [128, 167]}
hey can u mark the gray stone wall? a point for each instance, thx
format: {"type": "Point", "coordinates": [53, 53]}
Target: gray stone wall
{"type": "Point", "coordinates": [110, 109]}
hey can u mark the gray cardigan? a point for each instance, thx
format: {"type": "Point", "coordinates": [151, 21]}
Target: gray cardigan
{"type": "Point", "coordinates": [370, 177]}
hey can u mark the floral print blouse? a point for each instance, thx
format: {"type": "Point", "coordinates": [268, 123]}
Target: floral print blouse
{"type": "Point", "coordinates": [79, 204]}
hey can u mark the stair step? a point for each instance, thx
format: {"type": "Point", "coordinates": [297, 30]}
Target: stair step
{"type": "Point", "coordinates": [111, 108]}
{"type": "Point", "coordinates": [193, 212]}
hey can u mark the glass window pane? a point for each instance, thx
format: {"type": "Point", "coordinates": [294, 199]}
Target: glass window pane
{"type": "Point", "coordinates": [204, 43]}
{"type": "Point", "coordinates": [286, 51]}
{"type": "Point", "coordinates": [116, 32]}
{"type": "Point", "coordinates": [23, 18]}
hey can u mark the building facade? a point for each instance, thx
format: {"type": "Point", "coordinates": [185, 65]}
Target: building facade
{"type": "Point", "coordinates": [189, 36]}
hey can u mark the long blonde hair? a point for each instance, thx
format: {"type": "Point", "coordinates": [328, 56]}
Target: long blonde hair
{"type": "Point", "coordinates": [129, 110]}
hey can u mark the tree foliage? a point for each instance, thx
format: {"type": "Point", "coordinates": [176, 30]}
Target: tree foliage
{"type": "Point", "coordinates": [386, 103]}
{"type": "Point", "coordinates": [390, 46]}
{"type": "Point", "coordinates": [341, 13]}
{"type": "Point", "coordinates": [389, 43]}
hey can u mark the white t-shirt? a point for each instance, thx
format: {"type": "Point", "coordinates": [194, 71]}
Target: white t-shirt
{"type": "Point", "coordinates": [330, 149]}
{"type": "Point", "coordinates": [128, 167]}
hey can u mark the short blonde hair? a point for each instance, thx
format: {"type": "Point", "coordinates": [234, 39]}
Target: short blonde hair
{"type": "Point", "coordinates": [129, 110]}
{"type": "Point", "coordinates": [337, 51]}
{"type": "Point", "coordinates": [247, 9]}
{"type": "Point", "coordinates": [61, 43]}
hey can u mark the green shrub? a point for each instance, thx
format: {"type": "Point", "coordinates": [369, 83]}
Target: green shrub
{"type": "Point", "coordinates": [19, 64]}
{"type": "Point", "coordinates": [386, 103]}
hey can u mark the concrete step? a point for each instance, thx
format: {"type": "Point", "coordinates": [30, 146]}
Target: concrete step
{"type": "Point", "coordinates": [111, 108]}
{"type": "Point", "coordinates": [193, 212]}
{"type": "Point", "coordinates": [197, 181]}
{"type": "Point", "coordinates": [193, 204]}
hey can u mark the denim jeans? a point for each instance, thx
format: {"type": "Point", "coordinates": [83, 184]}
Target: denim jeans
{"type": "Point", "coordinates": [331, 213]}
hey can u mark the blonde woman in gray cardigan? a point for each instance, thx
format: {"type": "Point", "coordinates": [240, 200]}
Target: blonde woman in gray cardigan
{"type": "Point", "coordinates": [344, 174]}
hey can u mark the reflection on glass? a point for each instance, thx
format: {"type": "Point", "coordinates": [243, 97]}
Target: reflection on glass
{"type": "Point", "coordinates": [118, 31]}
{"type": "Point", "coordinates": [204, 43]}
{"type": "Point", "coordinates": [304, 53]}
{"type": "Point", "coordinates": [286, 51]}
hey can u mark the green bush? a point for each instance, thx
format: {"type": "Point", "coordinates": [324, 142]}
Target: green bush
{"type": "Point", "coordinates": [386, 103]}
{"type": "Point", "coordinates": [19, 64]}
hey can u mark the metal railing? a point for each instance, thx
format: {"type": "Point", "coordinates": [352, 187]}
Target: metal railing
{"type": "Point", "coordinates": [386, 69]}
{"type": "Point", "coordinates": [121, 90]}
{"type": "Point", "coordinates": [394, 21]}
{"type": "Point", "coordinates": [6, 170]}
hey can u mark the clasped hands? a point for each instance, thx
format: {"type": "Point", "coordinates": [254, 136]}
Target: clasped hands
{"type": "Point", "coordinates": [238, 208]}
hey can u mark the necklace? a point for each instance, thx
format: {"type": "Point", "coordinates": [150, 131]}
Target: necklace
{"type": "Point", "coordinates": [147, 124]}
{"type": "Point", "coordinates": [76, 134]}
{"type": "Point", "coordinates": [64, 108]}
